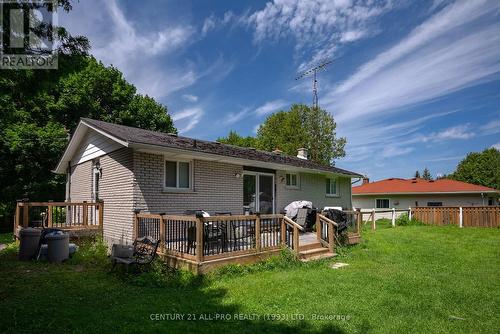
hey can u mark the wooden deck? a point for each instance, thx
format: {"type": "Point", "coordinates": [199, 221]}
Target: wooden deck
{"type": "Point", "coordinates": [79, 219]}
{"type": "Point", "coordinates": [203, 244]}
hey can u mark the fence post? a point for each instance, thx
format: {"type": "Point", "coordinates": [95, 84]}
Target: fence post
{"type": "Point", "coordinates": [257, 232]}
{"type": "Point", "coordinates": [358, 222]}
{"type": "Point", "coordinates": [135, 232]}
{"type": "Point", "coordinates": [393, 222]}
{"type": "Point", "coordinates": [460, 218]}
{"type": "Point", "coordinates": [199, 238]}
{"type": "Point", "coordinates": [374, 225]}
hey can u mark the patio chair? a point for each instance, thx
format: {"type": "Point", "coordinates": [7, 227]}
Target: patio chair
{"type": "Point", "coordinates": [301, 218]}
{"type": "Point", "coordinates": [142, 252]}
{"type": "Point", "coordinates": [241, 233]}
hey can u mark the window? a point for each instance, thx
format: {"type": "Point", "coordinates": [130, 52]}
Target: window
{"type": "Point", "coordinates": [177, 174]}
{"type": "Point", "coordinates": [331, 187]}
{"type": "Point", "coordinates": [292, 180]}
{"type": "Point", "coordinates": [434, 203]}
{"type": "Point", "coordinates": [382, 203]}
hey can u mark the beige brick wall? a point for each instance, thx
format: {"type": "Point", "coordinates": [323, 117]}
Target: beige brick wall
{"type": "Point", "coordinates": [215, 187]}
{"type": "Point", "coordinates": [312, 188]}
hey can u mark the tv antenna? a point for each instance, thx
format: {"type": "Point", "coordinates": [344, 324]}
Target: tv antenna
{"type": "Point", "coordinates": [314, 72]}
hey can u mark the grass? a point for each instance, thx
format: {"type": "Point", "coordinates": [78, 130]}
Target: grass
{"type": "Point", "coordinates": [407, 279]}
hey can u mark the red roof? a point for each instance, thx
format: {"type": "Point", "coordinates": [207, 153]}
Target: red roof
{"type": "Point", "coordinates": [416, 185]}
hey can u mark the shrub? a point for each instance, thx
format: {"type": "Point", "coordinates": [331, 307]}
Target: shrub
{"type": "Point", "coordinates": [404, 220]}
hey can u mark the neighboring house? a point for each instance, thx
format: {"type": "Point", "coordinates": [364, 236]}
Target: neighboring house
{"type": "Point", "coordinates": [133, 169]}
{"type": "Point", "coordinates": [404, 193]}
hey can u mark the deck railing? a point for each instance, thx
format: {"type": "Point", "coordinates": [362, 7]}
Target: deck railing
{"type": "Point", "coordinates": [205, 238]}
{"type": "Point", "coordinates": [62, 215]}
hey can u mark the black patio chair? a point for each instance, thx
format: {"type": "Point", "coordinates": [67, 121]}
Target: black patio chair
{"type": "Point", "coordinates": [142, 253]}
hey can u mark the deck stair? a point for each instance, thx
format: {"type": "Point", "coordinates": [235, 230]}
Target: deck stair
{"type": "Point", "coordinates": [314, 251]}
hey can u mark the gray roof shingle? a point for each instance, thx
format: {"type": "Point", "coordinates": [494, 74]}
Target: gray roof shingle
{"type": "Point", "coordinates": [140, 136]}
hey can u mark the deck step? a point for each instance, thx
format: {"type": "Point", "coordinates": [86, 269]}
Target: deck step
{"type": "Point", "coordinates": [315, 252]}
{"type": "Point", "coordinates": [321, 256]}
{"type": "Point", "coordinates": [310, 246]}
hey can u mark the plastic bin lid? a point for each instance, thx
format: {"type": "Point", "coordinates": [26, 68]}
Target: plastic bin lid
{"type": "Point", "coordinates": [31, 231]}
{"type": "Point", "coordinates": [58, 235]}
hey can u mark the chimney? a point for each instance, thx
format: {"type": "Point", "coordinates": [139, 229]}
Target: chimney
{"type": "Point", "coordinates": [366, 180]}
{"type": "Point", "coordinates": [302, 153]}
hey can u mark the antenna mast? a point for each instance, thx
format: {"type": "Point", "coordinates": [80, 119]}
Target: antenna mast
{"type": "Point", "coordinates": [314, 72]}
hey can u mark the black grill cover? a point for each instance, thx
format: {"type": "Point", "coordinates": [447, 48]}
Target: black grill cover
{"type": "Point", "coordinates": [340, 217]}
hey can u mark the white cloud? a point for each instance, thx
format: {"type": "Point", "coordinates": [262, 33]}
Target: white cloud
{"type": "Point", "coordinates": [455, 132]}
{"type": "Point", "coordinates": [190, 97]}
{"type": "Point", "coordinates": [270, 107]}
{"type": "Point", "coordinates": [497, 146]}
{"type": "Point", "coordinates": [256, 128]}
{"type": "Point", "coordinates": [394, 151]}
{"type": "Point", "coordinates": [317, 25]}
{"type": "Point", "coordinates": [212, 22]}
{"type": "Point", "coordinates": [491, 127]}
{"type": "Point", "coordinates": [430, 62]}
{"type": "Point", "coordinates": [232, 118]}
{"type": "Point", "coordinates": [187, 119]}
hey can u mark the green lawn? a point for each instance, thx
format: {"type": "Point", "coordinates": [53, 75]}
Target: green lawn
{"type": "Point", "coordinates": [416, 279]}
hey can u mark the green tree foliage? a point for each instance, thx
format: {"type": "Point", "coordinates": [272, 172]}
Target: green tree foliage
{"type": "Point", "coordinates": [426, 174]}
{"type": "Point", "coordinates": [417, 174]}
{"type": "Point", "coordinates": [482, 168]}
{"type": "Point", "coordinates": [40, 108]}
{"type": "Point", "coordinates": [302, 126]}
{"type": "Point", "coordinates": [233, 138]}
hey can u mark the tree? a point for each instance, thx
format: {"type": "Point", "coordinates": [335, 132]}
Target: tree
{"type": "Point", "coordinates": [302, 126]}
{"type": "Point", "coordinates": [481, 168]}
{"type": "Point", "coordinates": [417, 174]}
{"type": "Point", "coordinates": [426, 174]}
{"type": "Point", "coordinates": [40, 108]}
{"type": "Point", "coordinates": [233, 138]}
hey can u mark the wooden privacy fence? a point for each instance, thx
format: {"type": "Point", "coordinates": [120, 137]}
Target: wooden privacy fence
{"type": "Point", "coordinates": [62, 215]}
{"type": "Point", "coordinates": [471, 216]}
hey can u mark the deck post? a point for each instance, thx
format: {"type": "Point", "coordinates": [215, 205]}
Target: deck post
{"type": "Point", "coordinates": [17, 219]}
{"type": "Point", "coordinates": [283, 231]}
{"type": "Point", "coordinates": [331, 239]}
{"type": "Point", "coordinates": [318, 227]}
{"type": "Point", "coordinates": [199, 239]}
{"type": "Point", "coordinates": [49, 215]}
{"type": "Point", "coordinates": [296, 239]}
{"type": "Point", "coordinates": [25, 213]}
{"type": "Point", "coordinates": [85, 214]}
{"type": "Point", "coordinates": [135, 232]}
{"type": "Point", "coordinates": [162, 234]}
{"type": "Point", "coordinates": [374, 225]}
{"type": "Point", "coordinates": [101, 215]}
{"type": "Point", "coordinates": [257, 233]}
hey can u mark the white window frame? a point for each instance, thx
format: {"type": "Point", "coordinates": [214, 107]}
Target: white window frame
{"type": "Point", "coordinates": [176, 188]}
{"type": "Point", "coordinates": [297, 179]}
{"type": "Point", "coordinates": [388, 199]}
{"type": "Point", "coordinates": [337, 192]}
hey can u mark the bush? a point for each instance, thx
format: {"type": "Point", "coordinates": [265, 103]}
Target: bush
{"type": "Point", "coordinates": [404, 220]}
{"type": "Point", "coordinates": [92, 251]}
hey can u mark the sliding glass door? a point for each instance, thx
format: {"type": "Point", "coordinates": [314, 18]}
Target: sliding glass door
{"type": "Point", "coordinates": [258, 192]}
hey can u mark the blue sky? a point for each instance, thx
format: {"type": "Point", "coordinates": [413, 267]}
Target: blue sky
{"type": "Point", "coordinates": [415, 83]}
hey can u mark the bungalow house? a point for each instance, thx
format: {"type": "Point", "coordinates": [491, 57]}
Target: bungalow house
{"type": "Point", "coordinates": [404, 193]}
{"type": "Point", "coordinates": [134, 169]}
